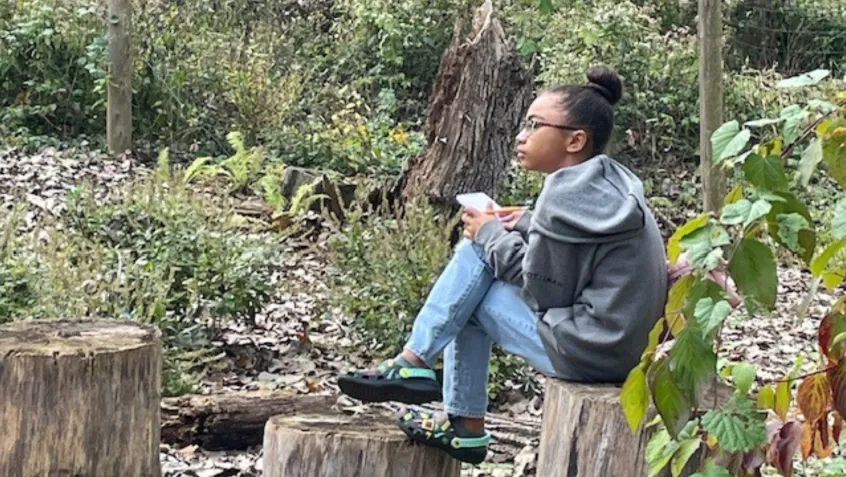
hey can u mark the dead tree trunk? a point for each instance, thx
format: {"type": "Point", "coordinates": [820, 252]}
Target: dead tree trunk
{"type": "Point", "coordinates": [230, 421]}
{"type": "Point", "coordinates": [481, 93]}
{"type": "Point", "coordinates": [79, 398]}
{"type": "Point", "coordinates": [585, 434]}
{"type": "Point", "coordinates": [329, 445]}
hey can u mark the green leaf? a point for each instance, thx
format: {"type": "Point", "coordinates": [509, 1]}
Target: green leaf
{"type": "Point", "coordinates": [674, 310]}
{"type": "Point", "coordinates": [753, 268]}
{"type": "Point", "coordinates": [703, 289]}
{"type": "Point", "coordinates": [805, 79]}
{"type": "Point", "coordinates": [674, 248]}
{"type": "Point", "coordinates": [745, 212]}
{"type": "Point", "coordinates": [546, 7]}
{"type": "Point", "coordinates": [834, 153]}
{"type": "Point", "coordinates": [811, 157]}
{"type": "Point", "coordinates": [736, 430]}
{"type": "Point", "coordinates": [735, 195]}
{"type": "Point", "coordinates": [700, 246]}
{"type": "Point", "coordinates": [794, 116]}
{"type": "Point", "coordinates": [659, 451]}
{"type": "Point", "coordinates": [789, 226]}
{"type": "Point", "coordinates": [818, 266]}
{"type": "Point", "coordinates": [710, 314]}
{"type": "Point", "coordinates": [782, 399]}
{"type": "Point", "coordinates": [766, 172]}
{"type": "Point", "coordinates": [712, 470]}
{"type": "Point", "coordinates": [729, 140]}
{"type": "Point", "coordinates": [822, 106]}
{"type": "Point", "coordinates": [744, 376]}
{"type": "Point", "coordinates": [672, 404]}
{"type": "Point", "coordinates": [692, 362]}
{"type": "Point", "coordinates": [687, 448]}
{"type": "Point", "coordinates": [766, 397]}
{"type": "Point", "coordinates": [838, 223]}
{"type": "Point", "coordinates": [807, 237]}
{"type": "Point", "coordinates": [635, 398]}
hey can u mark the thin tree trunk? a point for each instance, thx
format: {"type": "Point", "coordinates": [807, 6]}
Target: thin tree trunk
{"type": "Point", "coordinates": [710, 99]}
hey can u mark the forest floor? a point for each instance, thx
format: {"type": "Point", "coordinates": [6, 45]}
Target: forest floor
{"type": "Point", "coordinates": [299, 343]}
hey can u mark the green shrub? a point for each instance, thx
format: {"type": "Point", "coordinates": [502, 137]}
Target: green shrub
{"type": "Point", "coordinates": [155, 253]}
{"type": "Point", "coordinates": [387, 265]}
{"type": "Point", "coordinates": [52, 76]}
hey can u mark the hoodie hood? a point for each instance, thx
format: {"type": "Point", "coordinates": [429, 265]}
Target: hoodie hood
{"type": "Point", "coordinates": [597, 201]}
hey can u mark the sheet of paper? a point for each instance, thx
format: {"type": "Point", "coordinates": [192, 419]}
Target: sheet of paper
{"type": "Point", "coordinates": [476, 200]}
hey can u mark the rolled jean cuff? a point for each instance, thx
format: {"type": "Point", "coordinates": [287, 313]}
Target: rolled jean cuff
{"type": "Point", "coordinates": [454, 411]}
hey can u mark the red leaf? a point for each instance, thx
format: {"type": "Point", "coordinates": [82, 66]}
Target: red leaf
{"type": "Point", "coordinates": [823, 442]}
{"type": "Point", "coordinates": [784, 446]}
{"type": "Point", "coordinates": [807, 440]}
{"type": "Point", "coordinates": [832, 325]}
{"type": "Point", "coordinates": [837, 379]}
{"type": "Point", "coordinates": [814, 397]}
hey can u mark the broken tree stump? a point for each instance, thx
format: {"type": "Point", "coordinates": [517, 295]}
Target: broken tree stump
{"type": "Point", "coordinates": [585, 434]}
{"type": "Point", "coordinates": [480, 95]}
{"type": "Point", "coordinates": [233, 420]}
{"type": "Point", "coordinates": [79, 398]}
{"type": "Point", "coordinates": [328, 445]}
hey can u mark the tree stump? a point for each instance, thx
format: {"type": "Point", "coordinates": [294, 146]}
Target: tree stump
{"type": "Point", "coordinates": [327, 445]}
{"type": "Point", "coordinates": [79, 398]}
{"type": "Point", "coordinates": [585, 434]}
{"type": "Point", "coordinates": [480, 96]}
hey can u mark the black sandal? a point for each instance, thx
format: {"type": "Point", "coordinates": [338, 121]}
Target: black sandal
{"type": "Point", "coordinates": [392, 382]}
{"type": "Point", "coordinates": [436, 430]}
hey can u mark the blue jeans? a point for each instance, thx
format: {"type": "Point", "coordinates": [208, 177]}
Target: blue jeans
{"type": "Point", "coordinates": [466, 311]}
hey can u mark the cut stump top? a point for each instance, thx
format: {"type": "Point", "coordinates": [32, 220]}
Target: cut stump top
{"type": "Point", "coordinates": [74, 337]}
{"type": "Point", "coordinates": [367, 426]}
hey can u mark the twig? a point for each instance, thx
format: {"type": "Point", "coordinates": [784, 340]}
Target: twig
{"type": "Point", "coordinates": [819, 371]}
{"type": "Point", "coordinates": [810, 129]}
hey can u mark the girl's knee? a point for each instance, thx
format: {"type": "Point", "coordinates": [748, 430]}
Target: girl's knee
{"type": "Point", "coordinates": [469, 248]}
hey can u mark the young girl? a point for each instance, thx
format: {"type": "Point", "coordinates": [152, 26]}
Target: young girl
{"type": "Point", "coordinates": [574, 287]}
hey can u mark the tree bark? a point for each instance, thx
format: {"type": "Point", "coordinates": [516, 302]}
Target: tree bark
{"type": "Point", "coordinates": [710, 100]}
{"type": "Point", "coordinates": [481, 93]}
{"type": "Point", "coordinates": [79, 398]}
{"type": "Point", "coordinates": [585, 434]}
{"type": "Point", "coordinates": [327, 445]}
{"type": "Point", "coordinates": [119, 101]}
{"type": "Point", "coordinates": [230, 421]}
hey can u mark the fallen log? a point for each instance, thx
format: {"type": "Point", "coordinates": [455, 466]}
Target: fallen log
{"type": "Point", "coordinates": [230, 421]}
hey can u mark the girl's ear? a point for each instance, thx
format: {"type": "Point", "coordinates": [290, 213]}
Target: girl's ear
{"type": "Point", "coordinates": [577, 142]}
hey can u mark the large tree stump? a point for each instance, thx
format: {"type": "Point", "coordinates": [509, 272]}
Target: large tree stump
{"type": "Point", "coordinates": [585, 434]}
{"type": "Point", "coordinates": [480, 95]}
{"type": "Point", "coordinates": [79, 398]}
{"type": "Point", "coordinates": [326, 445]}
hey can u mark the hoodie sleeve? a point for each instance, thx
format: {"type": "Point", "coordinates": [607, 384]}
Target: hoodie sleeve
{"type": "Point", "coordinates": [504, 250]}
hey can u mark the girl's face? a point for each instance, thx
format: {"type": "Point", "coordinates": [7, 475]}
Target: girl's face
{"type": "Point", "coordinates": [546, 142]}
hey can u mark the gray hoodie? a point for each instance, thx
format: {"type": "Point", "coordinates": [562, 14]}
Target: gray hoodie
{"type": "Point", "coordinates": [591, 262]}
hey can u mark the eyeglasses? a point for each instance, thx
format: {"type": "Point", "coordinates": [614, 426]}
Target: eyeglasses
{"type": "Point", "coordinates": [531, 125]}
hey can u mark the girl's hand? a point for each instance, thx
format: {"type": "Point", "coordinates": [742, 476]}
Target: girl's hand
{"type": "Point", "coordinates": [474, 220]}
{"type": "Point", "coordinates": [510, 219]}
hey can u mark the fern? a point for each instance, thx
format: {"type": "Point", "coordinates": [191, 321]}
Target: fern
{"type": "Point", "coordinates": [304, 197]}
{"type": "Point", "coordinates": [163, 165]}
{"type": "Point", "coordinates": [199, 168]}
